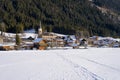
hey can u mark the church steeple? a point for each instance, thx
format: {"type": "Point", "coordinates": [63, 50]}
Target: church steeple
{"type": "Point", "coordinates": [40, 31]}
{"type": "Point", "coordinates": [40, 25]}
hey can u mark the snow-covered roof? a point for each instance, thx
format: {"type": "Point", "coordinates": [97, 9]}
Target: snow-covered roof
{"type": "Point", "coordinates": [38, 40]}
{"type": "Point", "coordinates": [61, 35]}
{"type": "Point", "coordinates": [117, 39]}
{"type": "Point", "coordinates": [109, 38]}
{"type": "Point", "coordinates": [73, 37]}
{"type": "Point", "coordinates": [70, 41]}
{"type": "Point", "coordinates": [27, 35]}
{"type": "Point", "coordinates": [7, 44]}
{"type": "Point", "coordinates": [28, 42]}
{"type": "Point", "coordinates": [9, 34]}
{"type": "Point", "coordinates": [74, 44]}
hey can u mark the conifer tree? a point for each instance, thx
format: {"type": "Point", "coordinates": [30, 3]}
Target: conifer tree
{"type": "Point", "coordinates": [20, 28]}
{"type": "Point", "coordinates": [18, 41]}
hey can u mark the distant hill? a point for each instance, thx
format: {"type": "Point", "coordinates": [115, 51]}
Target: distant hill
{"type": "Point", "coordinates": [61, 16]}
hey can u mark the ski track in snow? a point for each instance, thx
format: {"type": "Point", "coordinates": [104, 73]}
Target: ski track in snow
{"type": "Point", "coordinates": [37, 76]}
{"type": "Point", "coordinates": [103, 65]}
{"type": "Point", "coordinates": [95, 62]}
{"type": "Point", "coordinates": [81, 71]}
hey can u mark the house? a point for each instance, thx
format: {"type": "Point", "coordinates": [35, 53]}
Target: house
{"type": "Point", "coordinates": [7, 46]}
{"type": "Point", "coordinates": [28, 36]}
{"type": "Point", "coordinates": [60, 42]}
{"type": "Point", "coordinates": [70, 40]}
{"type": "Point", "coordinates": [75, 46]}
{"type": "Point", "coordinates": [116, 44]}
{"type": "Point", "coordinates": [27, 46]}
{"type": "Point", "coordinates": [93, 41]}
{"type": "Point", "coordinates": [1, 39]}
{"type": "Point", "coordinates": [48, 35]}
{"type": "Point", "coordinates": [40, 44]}
{"type": "Point", "coordinates": [98, 41]}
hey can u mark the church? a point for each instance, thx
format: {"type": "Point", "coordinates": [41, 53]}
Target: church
{"type": "Point", "coordinates": [40, 31]}
{"type": "Point", "coordinates": [45, 35]}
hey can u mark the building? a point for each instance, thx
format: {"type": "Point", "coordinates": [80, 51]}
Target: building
{"type": "Point", "coordinates": [40, 31]}
{"type": "Point", "coordinates": [93, 41]}
{"type": "Point", "coordinates": [7, 46]}
{"type": "Point", "coordinates": [1, 39]}
{"type": "Point", "coordinates": [60, 42]}
{"type": "Point", "coordinates": [40, 44]}
{"type": "Point", "coordinates": [70, 40]}
{"type": "Point", "coordinates": [50, 38]}
{"type": "Point", "coordinates": [48, 35]}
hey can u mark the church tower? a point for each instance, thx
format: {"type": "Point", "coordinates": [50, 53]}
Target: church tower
{"type": "Point", "coordinates": [40, 31]}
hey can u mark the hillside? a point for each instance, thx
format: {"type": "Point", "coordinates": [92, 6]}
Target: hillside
{"type": "Point", "coordinates": [62, 16]}
{"type": "Point", "coordinates": [110, 4]}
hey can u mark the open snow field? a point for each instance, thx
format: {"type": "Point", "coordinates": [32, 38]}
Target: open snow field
{"type": "Point", "coordinates": [69, 64]}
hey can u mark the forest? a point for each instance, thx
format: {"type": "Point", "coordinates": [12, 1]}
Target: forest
{"type": "Point", "coordinates": [110, 4]}
{"type": "Point", "coordinates": [61, 16]}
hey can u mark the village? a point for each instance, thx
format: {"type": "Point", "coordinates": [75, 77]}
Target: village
{"type": "Point", "coordinates": [29, 40]}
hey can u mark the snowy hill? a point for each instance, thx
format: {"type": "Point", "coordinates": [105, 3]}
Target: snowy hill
{"type": "Point", "coordinates": [69, 64]}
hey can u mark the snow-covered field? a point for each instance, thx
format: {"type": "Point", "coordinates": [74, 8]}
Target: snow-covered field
{"type": "Point", "coordinates": [69, 64]}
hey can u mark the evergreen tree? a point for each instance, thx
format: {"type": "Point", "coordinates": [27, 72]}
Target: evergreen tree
{"type": "Point", "coordinates": [18, 40]}
{"type": "Point", "coordinates": [20, 28]}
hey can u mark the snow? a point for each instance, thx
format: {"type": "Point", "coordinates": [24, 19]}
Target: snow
{"type": "Point", "coordinates": [73, 37]}
{"type": "Point", "coordinates": [9, 34]}
{"type": "Point", "coordinates": [27, 35]}
{"type": "Point", "coordinates": [66, 64]}
{"type": "Point", "coordinates": [7, 44]}
{"type": "Point", "coordinates": [61, 35]}
{"type": "Point", "coordinates": [38, 40]}
{"type": "Point", "coordinates": [22, 35]}
{"type": "Point", "coordinates": [90, 0]}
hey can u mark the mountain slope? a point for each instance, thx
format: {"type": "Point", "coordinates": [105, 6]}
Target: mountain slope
{"type": "Point", "coordinates": [111, 4]}
{"type": "Point", "coordinates": [62, 16]}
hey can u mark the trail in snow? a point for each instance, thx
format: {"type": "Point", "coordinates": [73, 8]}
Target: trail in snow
{"type": "Point", "coordinates": [54, 69]}
{"type": "Point", "coordinates": [81, 71]}
{"type": "Point", "coordinates": [95, 64]}
{"type": "Point", "coordinates": [103, 65]}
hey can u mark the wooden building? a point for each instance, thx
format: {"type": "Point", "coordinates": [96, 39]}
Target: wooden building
{"type": "Point", "coordinates": [40, 44]}
{"type": "Point", "coordinates": [48, 35]}
{"type": "Point", "coordinates": [7, 46]}
{"type": "Point", "coordinates": [1, 39]}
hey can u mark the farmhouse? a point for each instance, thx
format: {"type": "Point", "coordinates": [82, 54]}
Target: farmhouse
{"type": "Point", "coordinates": [40, 44]}
{"type": "Point", "coordinates": [7, 46]}
{"type": "Point", "coordinates": [1, 39]}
